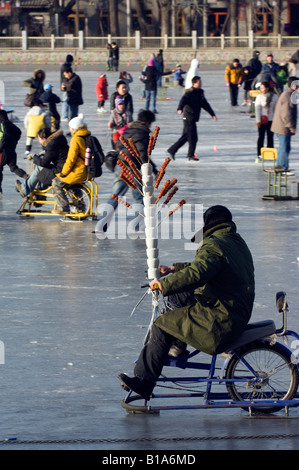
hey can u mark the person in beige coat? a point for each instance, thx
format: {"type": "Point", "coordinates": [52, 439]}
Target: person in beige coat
{"type": "Point", "coordinates": [285, 121]}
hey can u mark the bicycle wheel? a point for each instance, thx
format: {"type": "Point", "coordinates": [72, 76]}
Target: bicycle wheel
{"type": "Point", "coordinates": [262, 372]}
{"type": "Point", "coordinates": [79, 200]}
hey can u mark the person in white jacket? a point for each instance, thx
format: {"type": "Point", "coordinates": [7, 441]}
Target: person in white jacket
{"type": "Point", "coordinates": [35, 120]}
{"type": "Point", "coordinates": [264, 111]}
{"type": "Point", "coordinates": [192, 72]}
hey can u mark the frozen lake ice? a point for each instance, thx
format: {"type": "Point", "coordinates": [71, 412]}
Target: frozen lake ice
{"type": "Point", "coordinates": [66, 296]}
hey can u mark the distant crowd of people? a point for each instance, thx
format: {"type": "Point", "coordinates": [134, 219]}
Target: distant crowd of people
{"type": "Point", "coordinates": [275, 111]}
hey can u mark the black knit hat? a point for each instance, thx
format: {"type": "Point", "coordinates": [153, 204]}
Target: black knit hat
{"type": "Point", "coordinates": [217, 213]}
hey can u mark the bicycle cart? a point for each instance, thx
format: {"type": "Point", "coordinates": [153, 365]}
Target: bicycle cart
{"type": "Point", "coordinates": [83, 201]}
{"type": "Point", "coordinates": [258, 373]}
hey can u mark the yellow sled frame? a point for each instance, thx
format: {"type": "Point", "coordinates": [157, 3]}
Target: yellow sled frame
{"type": "Point", "coordinates": [83, 200]}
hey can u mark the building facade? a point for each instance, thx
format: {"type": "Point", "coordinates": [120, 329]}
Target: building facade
{"type": "Point", "coordinates": [151, 17]}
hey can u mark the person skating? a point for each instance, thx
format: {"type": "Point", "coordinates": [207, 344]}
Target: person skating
{"type": "Point", "coordinates": [102, 92]}
{"type": "Point", "coordinates": [73, 87]}
{"type": "Point", "coordinates": [122, 92]}
{"type": "Point", "coordinates": [233, 78]}
{"type": "Point", "coordinates": [190, 106]}
{"type": "Point", "coordinates": [151, 74]}
{"type": "Point", "coordinates": [284, 123]}
{"type": "Point", "coordinates": [50, 100]}
{"type": "Point", "coordinates": [264, 111]}
{"type": "Point", "coordinates": [9, 136]}
{"type": "Point", "coordinates": [35, 83]}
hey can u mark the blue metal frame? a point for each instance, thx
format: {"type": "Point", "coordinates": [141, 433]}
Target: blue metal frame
{"type": "Point", "coordinates": [222, 399]}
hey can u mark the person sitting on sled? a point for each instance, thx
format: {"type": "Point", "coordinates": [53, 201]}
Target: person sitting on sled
{"type": "Point", "coordinates": [218, 291]}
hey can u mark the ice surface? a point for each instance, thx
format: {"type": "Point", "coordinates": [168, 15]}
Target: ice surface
{"type": "Point", "coordinates": [66, 296]}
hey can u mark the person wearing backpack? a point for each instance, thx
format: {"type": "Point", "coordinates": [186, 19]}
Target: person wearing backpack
{"type": "Point", "coordinates": [74, 169]}
{"type": "Point", "coordinates": [9, 136]}
{"type": "Point", "coordinates": [36, 118]}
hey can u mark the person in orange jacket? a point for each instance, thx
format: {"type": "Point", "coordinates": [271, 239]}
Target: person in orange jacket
{"type": "Point", "coordinates": [233, 77]}
{"type": "Point", "coordinates": [74, 169]}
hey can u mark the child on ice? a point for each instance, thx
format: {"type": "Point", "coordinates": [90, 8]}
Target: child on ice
{"type": "Point", "coordinates": [35, 120]}
{"type": "Point", "coordinates": [50, 99]}
{"type": "Point", "coordinates": [178, 75]}
{"type": "Point", "coordinates": [118, 121]}
{"type": "Point", "coordinates": [102, 92]}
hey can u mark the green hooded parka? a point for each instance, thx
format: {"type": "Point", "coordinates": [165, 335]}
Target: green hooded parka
{"type": "Point", "coordinates": [222, 279]}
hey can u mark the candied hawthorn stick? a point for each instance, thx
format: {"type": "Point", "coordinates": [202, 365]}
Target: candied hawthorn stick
{"type": "Point", "coordinates": [150, 145]}
{"type": "Point", "coordinates": [128, 180]}
{"type": "Point", "coordinates": [166, 162]}
{"type": "Point", "coordinates": [133, 146]}
{"type": "Point", "coordinates": [171, 194]}
{"type": "Point", "coordinates": [125, 169]}
{"type": "Point", "coordinates": [163, 190]}
{"type": "Point", "coordinates": [160, 175]}
{"type": "Point", "coordinates": [130, 146]}
{"type": "Point", "coordinates": [180, 204]}
{"type": "Point", "coordinates": [118, 199]}
{"type": "Point", "coordinates": [125, 203]}
{"type": "Point", "coordinates": [132, 164]}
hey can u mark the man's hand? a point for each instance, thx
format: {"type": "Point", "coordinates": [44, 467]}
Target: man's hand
{"type": "Point", "coordinates": [155, 285]}
{"type": "Point", "coordinates": [164, 270]}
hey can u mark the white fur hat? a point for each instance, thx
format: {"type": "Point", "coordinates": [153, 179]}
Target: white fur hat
{"type": "Point", "coordinates": [77, 122]}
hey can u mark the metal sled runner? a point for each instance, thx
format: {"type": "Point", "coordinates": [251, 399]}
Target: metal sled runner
{"type": "Point", "coordinates": [83, 201]}
{"type": "Point", "coordinates": [257, 373]}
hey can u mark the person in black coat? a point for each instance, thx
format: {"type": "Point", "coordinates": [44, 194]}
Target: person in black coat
{"type": "Point", "coordinates": [9, 137]}
{"type": "Point", "coordinates": [73, 87]}
{"type": "Point", "coordinates": [115, 56]}
{"type": "Point", "coordinates": [65, 107]}
{"type": "Point", "coordinates": [47, 166]}
{"type": "Point", "coordinates": [255, 64]}
{"type": "Point", "coordinates": [190, 106]}
{"type": "Point", "coordinates": [151, 74]}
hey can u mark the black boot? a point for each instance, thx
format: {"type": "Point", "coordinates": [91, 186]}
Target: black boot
{"type": "Point", "coordinates": [141, 387]}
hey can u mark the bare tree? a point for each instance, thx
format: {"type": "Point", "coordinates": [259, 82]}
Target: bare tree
{"type": "Point", "coordinates": [113, 14]}
{"type": "Point", "coordinates": [165, 7]}
{"type": "Point", "coordinates": [144, 27]}
{"type": "Point", "coordinates": [64, 12]}
{"type": "Point", "coordinates": [276, 18]}
{"type": "Point", "coordinates": [233, 20]}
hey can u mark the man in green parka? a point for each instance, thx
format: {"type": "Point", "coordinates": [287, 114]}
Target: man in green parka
{"type": "Point", "coordinates": [220, 282]}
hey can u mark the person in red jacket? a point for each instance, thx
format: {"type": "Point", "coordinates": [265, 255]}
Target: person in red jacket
{"type": "Point", "coordinates": [102, 92]}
